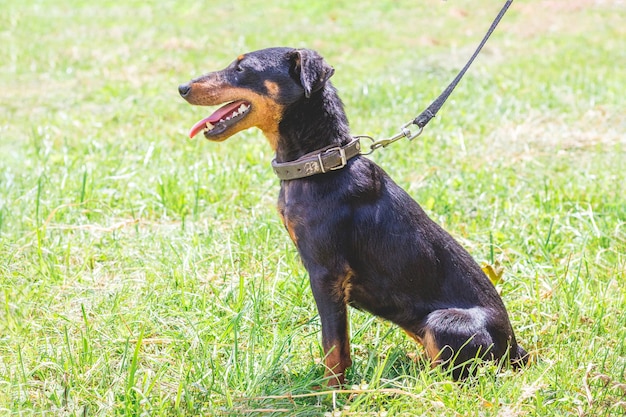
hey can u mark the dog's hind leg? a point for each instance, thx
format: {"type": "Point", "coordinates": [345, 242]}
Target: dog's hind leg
{"type": "Point", "coordinates": [454, 336]}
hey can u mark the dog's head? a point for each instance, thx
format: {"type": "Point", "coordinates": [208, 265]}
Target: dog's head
{"type": "Point", "coordinates": [254, 91]}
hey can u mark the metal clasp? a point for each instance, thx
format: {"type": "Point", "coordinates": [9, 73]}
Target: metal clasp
{"type": "Point", "coordinates": [405, 132]}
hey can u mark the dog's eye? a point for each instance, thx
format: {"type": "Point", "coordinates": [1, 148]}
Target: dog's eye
{"type": "Point", "coordinates": [239, 68]}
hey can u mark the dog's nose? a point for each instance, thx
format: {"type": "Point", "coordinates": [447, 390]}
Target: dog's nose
{"type": "Point", "coordinates": [184, 89]}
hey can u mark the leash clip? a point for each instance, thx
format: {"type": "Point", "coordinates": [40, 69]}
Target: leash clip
{"type": "Point", "coordinates": [405, 132]}
{"type": "Point", "coordinates": [430, 112]}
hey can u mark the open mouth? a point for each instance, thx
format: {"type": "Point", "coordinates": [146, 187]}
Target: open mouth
{"type": "Point", "coordinates": [221, 119]}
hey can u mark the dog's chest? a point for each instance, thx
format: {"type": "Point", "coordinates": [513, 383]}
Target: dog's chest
{"type": "Point", "coordinates": [308, 213]}
{"type": "Point", "coordinates": [293, 210]}
{"type": "Point", "coordinates": [288, 213]}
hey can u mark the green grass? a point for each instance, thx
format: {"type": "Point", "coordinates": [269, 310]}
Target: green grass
{"type": "Point", "coordinates": [145, 274]}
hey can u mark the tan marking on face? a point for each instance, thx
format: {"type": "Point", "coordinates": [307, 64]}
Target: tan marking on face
{"type": "Point", "coordinates": [241, 57]}
{"type": "Point", "coordinates": [265, 113]}
{"type": "Point", "coordinates": [273, 89]}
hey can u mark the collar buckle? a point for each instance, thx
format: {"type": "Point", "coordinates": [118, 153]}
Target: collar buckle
{"type": "Point", "coordinates": [342, 155]}
{"type": "Point", "coordinates": [321, 161]}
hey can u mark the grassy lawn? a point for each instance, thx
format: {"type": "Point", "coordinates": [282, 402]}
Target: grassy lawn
{"type": "Point", "coordinates": [145, 274]}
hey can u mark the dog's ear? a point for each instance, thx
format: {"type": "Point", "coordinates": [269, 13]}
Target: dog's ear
{"type": "Point", "coordinates": [310, 68]}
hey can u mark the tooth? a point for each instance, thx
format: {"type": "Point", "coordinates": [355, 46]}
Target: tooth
{"type": "Point", "coordinates": [242, 108]}
{"type": "Point", "coordinates": [209, 125]}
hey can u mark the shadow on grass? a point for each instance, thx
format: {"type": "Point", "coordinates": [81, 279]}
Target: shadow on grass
{"type": "Point", "coordinates": [378, 378]}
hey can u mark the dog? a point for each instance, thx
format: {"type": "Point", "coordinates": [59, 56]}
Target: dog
{"type": "Point", "coordinates": [362, 239]}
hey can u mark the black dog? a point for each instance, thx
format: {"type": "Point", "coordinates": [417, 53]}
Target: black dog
{"type": "Point", "coordinates": [362, 239]}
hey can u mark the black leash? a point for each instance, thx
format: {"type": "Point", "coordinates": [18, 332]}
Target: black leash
{"type": "Point", "coordinates": [330, 159]}
{"type": "Point", "coordinates": [430, 112]}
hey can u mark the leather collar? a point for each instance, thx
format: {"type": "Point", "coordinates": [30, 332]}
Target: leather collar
{"type": "Point", "coordinates": [321, 161]}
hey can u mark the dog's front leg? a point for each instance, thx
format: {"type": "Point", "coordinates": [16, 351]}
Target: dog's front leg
{"type": "Point", "coordinates": [333, 314]}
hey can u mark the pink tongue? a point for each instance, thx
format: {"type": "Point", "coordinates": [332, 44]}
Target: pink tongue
{"type": "Point", "coordinates": [218, 115]}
